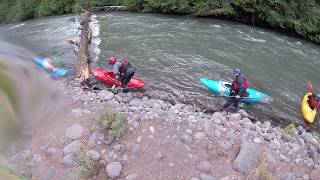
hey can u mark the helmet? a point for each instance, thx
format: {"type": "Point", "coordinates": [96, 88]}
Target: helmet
{"type": "Point", "coordinates": [236, 72]}
{"type": "Point", "coordinates": [112, 60]}
{"type": "Point", "coordinates": [318, 95]}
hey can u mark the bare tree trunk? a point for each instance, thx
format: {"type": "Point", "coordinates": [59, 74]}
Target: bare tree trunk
{"type": "Point", "coordinates": [82, 48]}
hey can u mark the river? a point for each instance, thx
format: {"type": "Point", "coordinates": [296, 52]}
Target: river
{"type": "Point", "coordinates": [172, 53]}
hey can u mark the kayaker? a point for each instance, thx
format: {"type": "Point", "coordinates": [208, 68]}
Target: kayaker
{"type": "Point", "coordinates": [238, 89]}
{"type": "Point", "coordinates": [314, 101]}
{"type": "Point", "coordinates": [123, 71]}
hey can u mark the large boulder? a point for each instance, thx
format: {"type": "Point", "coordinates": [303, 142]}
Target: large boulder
{"type": "Point", "coordinates": [247, 159]}
{"type": "Point", "coordinates": [72, 147]}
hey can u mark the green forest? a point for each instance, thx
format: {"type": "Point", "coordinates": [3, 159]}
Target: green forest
{"type": "Point", "coordinates": [300, 17]}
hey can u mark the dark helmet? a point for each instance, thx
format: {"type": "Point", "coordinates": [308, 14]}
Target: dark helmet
{"type": "Point", "coordinates": [112, 60]}
{"type": "Point", "coordinates": [236, 72]}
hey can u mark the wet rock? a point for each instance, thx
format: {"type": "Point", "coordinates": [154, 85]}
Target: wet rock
{"type": "Point", "coordinates": [315, 174]}
{"type": "Point", "coordinates": [287, 176]}
{"type": "Point", "coordinates": [235, 117]}
{"type": "Point", "coordinates": [132, 177]}
{"type": "Point", "coordinates": [247, 159]}
{"type": "Point", "coordinates": [72, 147]}
{"type": "Point", "coordinates": [158, 156]}
{"type": "Point", "coordinates": [187, 139]}
{"type": "Point", "coordinates": [199, 136]}
{"type": "Point", "coordinates": [114, 169]}
{"type": "Point", "coordinates": [49, 173]}
{"type": "Point", "coordinates": [69, 160]}
{"type": "Point", "coordinates": [206, 177]}
{"type": "Point", "coordinates": [75, 132]}
{"type": "Point", "coordinates": [93, 139]}
{"type": "Point", "coordinates": [204, 166]}
{"type": "Point", "coordinates": [77, 113]}
{"type": "Point", "coordinates": [93, 155]}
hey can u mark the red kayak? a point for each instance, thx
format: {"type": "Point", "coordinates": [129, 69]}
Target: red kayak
{"type": "Point", "coordinates": [107, 76]}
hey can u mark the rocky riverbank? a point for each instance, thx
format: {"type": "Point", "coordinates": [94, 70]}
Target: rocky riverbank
{"type": "Point", "coordinates": [164, 139]}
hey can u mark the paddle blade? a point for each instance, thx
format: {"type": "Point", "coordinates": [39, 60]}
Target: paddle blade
{"type": "Point", "coordinates": [57, 73]}
{"type": "Point", "coordinates": [309, 86]}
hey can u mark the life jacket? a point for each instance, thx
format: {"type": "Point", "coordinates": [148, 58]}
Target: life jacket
{"type": "Point", "coordinates": [313, 101]}
{"type": "Point", "coordinates": [236, 86]}
{"type": "Point", "coordinates": [125, 65]}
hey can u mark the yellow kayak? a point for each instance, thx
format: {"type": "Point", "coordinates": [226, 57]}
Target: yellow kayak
{"type": "Point", "coordinates": [308, 114]}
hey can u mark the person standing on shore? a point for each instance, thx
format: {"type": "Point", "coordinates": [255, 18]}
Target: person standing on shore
{"type": "Point", "coordinates": [238, 89]}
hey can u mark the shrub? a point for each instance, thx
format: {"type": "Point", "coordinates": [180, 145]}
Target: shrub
{"type": "Point", "coordinates": [86, 167]}
{"type": "Point", "coordinates": [112, 122]}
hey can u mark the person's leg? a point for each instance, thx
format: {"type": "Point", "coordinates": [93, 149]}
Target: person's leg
{"type": "Point", "coordinates": [230, 101]}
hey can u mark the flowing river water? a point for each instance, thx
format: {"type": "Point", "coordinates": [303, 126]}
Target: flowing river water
{"type": "Point", "coordinates": [172, 53]}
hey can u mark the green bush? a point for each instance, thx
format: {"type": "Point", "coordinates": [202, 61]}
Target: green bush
{"type": "Point", "coordinates": [113, 123]}
{"type": "Point", "coordinates": [86, 167]}
{"type": "Point", "coordinates": [290, 130]}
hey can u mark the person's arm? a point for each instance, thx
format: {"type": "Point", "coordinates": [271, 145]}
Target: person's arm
{"type": "Point", "coordinates": [116, 72]}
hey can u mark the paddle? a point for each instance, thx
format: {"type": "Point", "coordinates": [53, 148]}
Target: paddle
{"type": "Point", "coordinates": [266, 100]}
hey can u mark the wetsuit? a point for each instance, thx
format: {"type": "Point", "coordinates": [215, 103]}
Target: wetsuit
{"type": "Point", "coordinates": [123, 71]}
{"type": "Point", "coordinates": [237, 88]}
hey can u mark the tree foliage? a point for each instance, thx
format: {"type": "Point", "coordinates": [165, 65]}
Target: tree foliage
{"type": "Point", "coordinates": [299, 16]}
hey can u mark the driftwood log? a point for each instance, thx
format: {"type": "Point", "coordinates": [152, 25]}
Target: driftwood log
{"type": "Point", "coordinates": [82, 48]}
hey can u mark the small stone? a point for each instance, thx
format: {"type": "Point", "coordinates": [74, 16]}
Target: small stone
{"type": "Point", "coordinates": [132, 177]}
{"type": "Point", "coordinates": [134, 103]}
{"type": "Point", "coordinates": [235, 117]}
{"type": "Point", "coordinates": [208, 127]}
{"type": "Point", "coordinates": [206, 177]}
{"type": "Point", "coordinates": [301, 130]}
{"type": "Point", "coordinates": [158, 156]}
{"type": "Point", "coordinates": [72, 147]}
{"type": "Point", "coordinates": [36, 159]}
{"type": "Point", "coordinates": [217, 133]}
{"type": "Point", "coordinates": [126, 99]}
{"type": "Point", "coordinates": [204, 166]}
{"type": "Point", "coordinates": [35, 173]}
{"type": "Point", "coordinates": [93, 155]}
{"type": "Point", "coordinates": [77, 113]}
{"type": "Point", "coordinates": [171, 164]}
{"type": "Point", "coordinates": [136, 148]}
{"type": "Point", "coordinates": [287, 176]}
{"type": "Point", "coordinates": [119, 148]}
{"type": "Point", "coordinates": [187, 139]}
{"type": "Point", "coordinates": [199, 136]}
{"type": "Point", "coordinates": [114, 169]}
{"type": "Point", "coordinates": [139, 139]}
{"type": "Point", "coordinates": [188, 131]}
{"type": "Point", "coordinates": [315, 174]}
{"type": "Point", "coordinates": [105, 95]}
{"type": "Point", "coordinates": [75, 132]}
{"type": "Point", "coordinates": [257, 140]}
{"type": "Point", "coordinates": [135, 124]}
{"type": "Point", "coordinates": [93, 139]}
{"type": "Point", "coordinates": [49, 173]}
{"type": "Point", "coordinates": [217, 121]}
{"type": "Point", "coordinates": [225, 178]}
{"type": "Point", "coordinates": [118, 98]}
{"type": "Point", "coordinates": [125, 157]}
{"type": "Point", "coordinates": [152, 129]}
{"type": "Point", "coordinates": [69, 160]}
{"type": "Point", "coordinates": [52, 151]}
{"type": "Point", "coordinates": [306, 177]}
{"type": "Point", "coordinates": [26, 154]}
{"type": "Point", "coordinates": [194, 179]}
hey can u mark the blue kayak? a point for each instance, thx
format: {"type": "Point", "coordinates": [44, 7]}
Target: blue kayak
{"type": "Point", "coordinates": [222, 88]}
{"type": "Point", "coordinates": [47, 66]}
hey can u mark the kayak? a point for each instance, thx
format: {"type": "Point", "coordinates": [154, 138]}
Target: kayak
{"type": "Point", "coordinates": [107, 76]}
{"type": "Point", "coordinates": [47, 66]}
{"type": "Point", "coordinates": [308, 114]}
{"type": "Point", "coordinates": [223, 89]}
